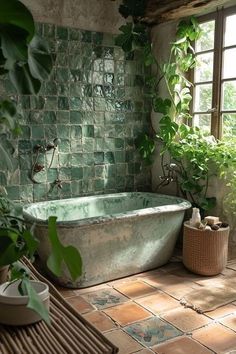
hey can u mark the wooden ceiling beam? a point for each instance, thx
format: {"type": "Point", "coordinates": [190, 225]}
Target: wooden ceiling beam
{"type": "Point", "coordinates": [159, 11]}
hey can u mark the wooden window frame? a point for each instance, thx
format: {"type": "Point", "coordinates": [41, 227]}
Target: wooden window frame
{"type": "Point", "coordinates": [216, 111]}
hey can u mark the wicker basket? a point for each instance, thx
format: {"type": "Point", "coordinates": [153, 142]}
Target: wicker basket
{"type": "Point", "coordinates": [205, 251]}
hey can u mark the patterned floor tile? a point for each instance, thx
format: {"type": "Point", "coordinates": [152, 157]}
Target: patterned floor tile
{"type": "Point", "coordinates": [105, 298]}
{"type": "Point", "coordinates": [152, 331]}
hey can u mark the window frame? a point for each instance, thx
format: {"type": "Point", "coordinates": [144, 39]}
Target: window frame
{"type": "Point", "coordinates": [216, 110]}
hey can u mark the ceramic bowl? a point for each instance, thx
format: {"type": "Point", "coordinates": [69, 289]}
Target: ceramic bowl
{"type": "Point", "coordinates": [13, 306]}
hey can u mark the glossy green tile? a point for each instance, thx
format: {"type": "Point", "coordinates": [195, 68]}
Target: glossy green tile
{"type": "Point", "coordinates": [75, 103]}
{"type": "Point", "coordinates": [63, 117]}
{"type": "Point", "coordinates": [108, 78]}
{"type": "Point", "coordinates": [76, 117]}
{"type": "Point", "coordinates": [109, 157]}
{"type": "Point", "coordinates": [49, 117]}
{"type": "Point", "coordinates": [89, 172]}
{"type": "Point", "coordinates": [99, 184]}
{"type": "Point", "coordinates": [3, 179]}
{"type": "Point", "coordinates": [37, 132]}
{"type": "Point", "coordinates": [98, 158]}
{"type": "Point", "coordinates": [75, 132]}
{"type": "Point", "coordinates": [50, 103]}
{"type": "Point", "coordinates": [77, 173]}
{"type": "Point", "coordinates": [88, 131]}
{"type": "Point", "coordinates": [63, 131]}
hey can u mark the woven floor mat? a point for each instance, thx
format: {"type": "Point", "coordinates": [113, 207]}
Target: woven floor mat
{"type": "Point", "coordinates": [69, 332]}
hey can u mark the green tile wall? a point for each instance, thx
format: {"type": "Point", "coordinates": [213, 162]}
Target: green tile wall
{"type": "Point", "coordinates": [95, 104]}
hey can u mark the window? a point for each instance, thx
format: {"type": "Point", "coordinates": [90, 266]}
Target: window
{"type": "Point", "coordinates": [214, 93]}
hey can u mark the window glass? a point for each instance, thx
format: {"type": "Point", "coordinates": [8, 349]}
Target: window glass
{"type": "Point", "coordinates": [230, 31]}
{"type": "Point", "coordinates": [203, 98]}
{"type": "Point", "coordinates": [203, 121]}
{"type": "Point", "coordinates": [229, 95]}
{"type": "Point", "coordinates": [204, 67]}
{"type": "Point", "coordinates": [206, 41]}
{"type": "Point", "coordinates": [229, 63]}
{"type": "Point", "coordinates": [229, 124]}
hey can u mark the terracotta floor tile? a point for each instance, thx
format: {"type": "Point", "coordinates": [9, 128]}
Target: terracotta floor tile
{"type": "Point", "coordinates": [100, 321]}
{"type": "Point", "coordinates": [80, 304]}
{"type": "Point", "coordinates": [65, 292]}
{"type": "Point", "coordinates": [152, 331]}
{"type": "Point", "coordinates": [127, 313]}
{"type": "Point", "coordinates": [123, 341]}
{"type": "Point", "coordinates": [229, 321]}
{"type": "Point", "coordinates": [91, 289]}
{"type": "Point", "coordinates": [216, 337]}
{"type": "Point", "coordinates": [134, 289]}
{"type": "Point", "coordinates": [211, 281]}
{"type": "Point", "coordinates": [186, 319]}
{"type": "Point", "coordinates": [105, 298]}
{"type": "Point", "coordinates": [221, 311]}
{"type": "Point", "coordinates": [158, 302]}
{"type": "Point", "coordinates": [163, 280]}
{"type": "Point", "coordinates": [181, 345]}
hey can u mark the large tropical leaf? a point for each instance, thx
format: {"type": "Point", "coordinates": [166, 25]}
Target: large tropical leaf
{"type": "Point", "coordinates": [13, 43]}
{"type": "Point", "coordinates": [59, 253]}
{"type": "Point", "coordinates": [23, 81]}
{"type": "Point", "coordinates": [40, 60]}
{"type": "Point", "coordinates": [15, 13]}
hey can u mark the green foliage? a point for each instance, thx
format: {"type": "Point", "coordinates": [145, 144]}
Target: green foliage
{"type": "Point", "coordinates": [146, 147]}
{"type": "Point", "coordinates": [59, 253]}
{"type": "Point", "coordinates": [16, 241]}
{"type": "Point", "coordinates": [24, 57]}
{"type": "Point", "coordinates": [193, 157]}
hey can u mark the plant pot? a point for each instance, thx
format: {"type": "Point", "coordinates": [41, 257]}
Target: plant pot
{"type": "Point", "coordinates": [3, 274]}
{"type": "Point", "coordinates": [13, 306]}
{"type": "Point", "coordinates": [205, 251]}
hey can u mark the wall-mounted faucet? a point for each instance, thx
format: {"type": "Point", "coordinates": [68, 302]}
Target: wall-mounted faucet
{"type": "Point", "coordinates": [40, 149]}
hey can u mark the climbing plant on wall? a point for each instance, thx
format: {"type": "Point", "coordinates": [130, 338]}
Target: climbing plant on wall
{"type": "Point", "coordinates": [192, 157]}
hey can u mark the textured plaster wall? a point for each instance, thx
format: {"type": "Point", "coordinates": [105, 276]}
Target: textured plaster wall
{"type": "Point", "coordinates": [94, 15]}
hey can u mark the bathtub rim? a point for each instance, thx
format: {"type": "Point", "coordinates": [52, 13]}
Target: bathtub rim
{"type": "Point", "coordinates": [182, 206]}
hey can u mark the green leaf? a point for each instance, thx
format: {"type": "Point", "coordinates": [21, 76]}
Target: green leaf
{"type": "Point", "coordinates": [15, 13]}
{"type": "Point", "coordinates": [31, 242]}
{"type": "Point", "coordinates": [146, 147]}
{"type": "Point", "coordinates": [14, 43]}
{"type": "Point", "coordinates": [40, 61]}
{"type": "Point", "coordinates": [161, 106]}
{"type": "Point", "coordinates": [23, 81]}
{"type": "Point", "coordinates": [35, 302]}
{"type": "Point", "coordinates": [59, 253]}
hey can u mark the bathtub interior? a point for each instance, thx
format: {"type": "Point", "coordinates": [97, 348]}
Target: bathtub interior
{"type": "Point", "coordinates": [97, 206]}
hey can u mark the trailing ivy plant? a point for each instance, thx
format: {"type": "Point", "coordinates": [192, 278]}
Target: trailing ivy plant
{"type": "Point", "coordinates": [192, 157]}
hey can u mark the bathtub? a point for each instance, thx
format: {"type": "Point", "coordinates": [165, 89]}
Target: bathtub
{"type": "Point", "coordinates": [117, 234]}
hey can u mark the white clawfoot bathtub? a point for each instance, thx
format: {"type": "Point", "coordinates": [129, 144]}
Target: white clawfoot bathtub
{"type": "Point", "coordinates": [117, 234]}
